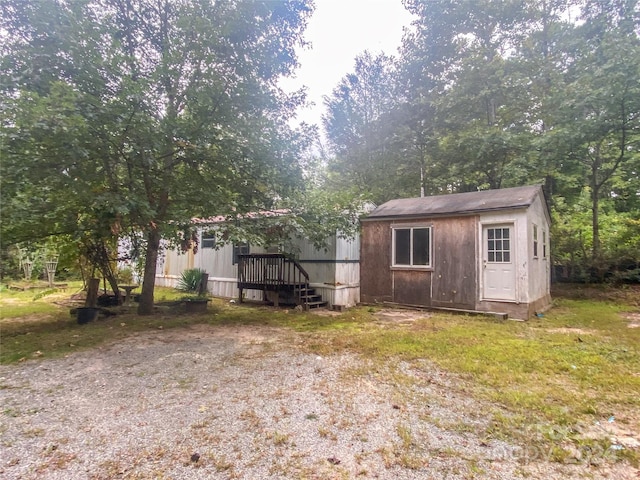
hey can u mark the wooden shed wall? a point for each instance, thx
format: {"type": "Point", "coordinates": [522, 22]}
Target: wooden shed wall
{"type": "Point", "coordinates": [450, 283]}
{"type": "Point", "coordinates": [375, 259]}
{"type": "Point", "coordinates": [412, 287]}
{"type": "Point", "coordinates": [455, 262]}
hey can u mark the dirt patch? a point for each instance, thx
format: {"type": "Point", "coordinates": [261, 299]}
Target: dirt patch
{"type": "Point", "coordinates": [26, 319]}
{"type": "Point", "coordinates": [619, 434]}
{"type": "Point", "coordinates": [12, 301]}
{"type": "Point", "coordinates": [400, 315]}
{"type": "Point", "coordinates": [324, 312]}
{"type": "Point", "coordinates": [634, 319]}
{"type": "Point", "coordinates": [388, 315]}
{"type": "Point", "coordinates": [571, 331]}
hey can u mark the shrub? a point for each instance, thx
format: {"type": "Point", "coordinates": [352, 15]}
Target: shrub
{"type": "Point", "coordinates": [125, 276]}
{"type": "Point", "coordinates": [190, 280]}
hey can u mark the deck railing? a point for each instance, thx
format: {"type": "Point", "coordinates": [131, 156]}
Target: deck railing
{"type": "Point", "coordinates": [274, 272]}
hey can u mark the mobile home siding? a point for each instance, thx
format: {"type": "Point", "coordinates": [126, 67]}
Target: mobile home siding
{"type": "Point", "coordinates": [333, 272]}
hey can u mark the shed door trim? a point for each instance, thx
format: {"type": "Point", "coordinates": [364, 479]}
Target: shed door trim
{"type": "Point", "coordinates": [498, 261]}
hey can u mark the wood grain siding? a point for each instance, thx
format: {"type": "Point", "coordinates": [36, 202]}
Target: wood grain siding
{"type": "Point", "coordinates": [375, 259]}
{"type": "Point", "coordinates": [412, 287]}
{"type": "Point", "coordinates": [455, 263]}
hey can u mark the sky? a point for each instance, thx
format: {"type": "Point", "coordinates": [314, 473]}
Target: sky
{"type": "Point", "coordinates": [338, 31]}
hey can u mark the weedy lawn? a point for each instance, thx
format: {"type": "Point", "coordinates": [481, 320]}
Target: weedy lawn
{"type": "Point", "coordinates": [569, 380]}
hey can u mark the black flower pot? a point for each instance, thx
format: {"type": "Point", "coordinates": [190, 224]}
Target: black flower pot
{"type": "Point", "coordinates": [87, 314]}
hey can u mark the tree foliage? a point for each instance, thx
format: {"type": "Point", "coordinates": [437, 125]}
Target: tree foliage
{"type": "Point", "coordinates": [495, 94]}
{"type": "Point", "coordinates": [122, 116]}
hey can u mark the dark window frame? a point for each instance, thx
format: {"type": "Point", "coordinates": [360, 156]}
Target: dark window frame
{"type": "Point", "coordinates": [242, 248]}
{"type": "Point", "coordinates": [208, 240]}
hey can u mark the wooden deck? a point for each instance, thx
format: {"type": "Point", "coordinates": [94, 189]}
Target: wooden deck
{"type": "Point", "coordinates": [276, 272]}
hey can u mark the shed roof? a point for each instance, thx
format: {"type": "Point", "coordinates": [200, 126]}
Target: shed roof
{"type": "Point", "coordinates": [458, 203]}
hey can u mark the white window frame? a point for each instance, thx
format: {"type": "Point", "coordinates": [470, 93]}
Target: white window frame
{"type": "Point", "coordinates": [411, 227]}
{"type": "Point", "coordinates": [535, 241]}
{"type": "Point", "coordinates": [499, 251]}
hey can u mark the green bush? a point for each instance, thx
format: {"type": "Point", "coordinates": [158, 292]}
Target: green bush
{"type": "Point", "coordinates": [190, 280]}
{"type": "Point", "coordinates": [125, 276]}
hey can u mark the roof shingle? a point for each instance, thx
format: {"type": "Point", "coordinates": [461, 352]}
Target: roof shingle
{"type": "Point", "coordinates": [458, 203]}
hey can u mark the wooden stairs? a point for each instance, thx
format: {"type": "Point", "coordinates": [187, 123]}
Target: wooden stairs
{"type": "Point", "coordinates": [310, 299]}
{"type": "Point", "coordinates": [281, 278]}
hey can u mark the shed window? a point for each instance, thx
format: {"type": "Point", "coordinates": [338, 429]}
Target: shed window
{"type": "Point", "coordinates": [412, 247]}
{"type": "Point", "coordinates": [239, 249]}
{"type": "Point", "coordinates": [544, 244]}
{"type": "Point", "coordinates": [208, 240]}
{"type": "Point", "coordinates": [498, 245]}
{"type": "Point", "coordinates": [535, 241]}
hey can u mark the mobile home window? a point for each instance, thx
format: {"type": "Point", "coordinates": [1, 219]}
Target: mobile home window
{"type": "Point", "coordinates": [208, 240]}
{"type": "Point", "coordinates": [239, 249]}
{"type": "Point", "coordinates": [412, 247]}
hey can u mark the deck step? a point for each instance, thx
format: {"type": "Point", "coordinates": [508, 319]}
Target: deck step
{"type": "Point", "coordinates": [317, 304]}
{"type": "Point", "coordinates": [311, 296]}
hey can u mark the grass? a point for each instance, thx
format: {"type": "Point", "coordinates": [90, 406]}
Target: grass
{"type": "Point", "coordinates": [42, 329]}
{"type": "Point", "coordinates": [548, 373]}
{"type": "Point", "coordinates": [36, 299]}
{"type": "Point", "coordinates": [561, 373]}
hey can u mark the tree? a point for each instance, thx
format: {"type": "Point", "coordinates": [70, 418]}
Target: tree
{"type": "Point", "coordinates": [354, 125]}
{"type": "Point", "coordinates": [599, 119]}
{"type": "Point", "coordinates": [490, 94]}
{"type": "Point", "coordinates": [142, 114]}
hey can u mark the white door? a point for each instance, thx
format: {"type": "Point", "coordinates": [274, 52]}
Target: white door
{"type": "Point", "coordinates": [499, 273]}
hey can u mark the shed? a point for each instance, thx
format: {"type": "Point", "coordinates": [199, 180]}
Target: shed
{"type": "Point", "coordinates": [485, 251]}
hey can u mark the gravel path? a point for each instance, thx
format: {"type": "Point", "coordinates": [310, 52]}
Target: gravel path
{"type": "Point", "coordinates": [244, 402]}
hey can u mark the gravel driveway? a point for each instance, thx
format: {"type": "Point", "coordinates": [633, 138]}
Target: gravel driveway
{"type": "Point", "coordinates": [244, 402]}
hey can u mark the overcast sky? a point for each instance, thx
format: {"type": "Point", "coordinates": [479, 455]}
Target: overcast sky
{"type": "Point", "coordinates": [339, 30]}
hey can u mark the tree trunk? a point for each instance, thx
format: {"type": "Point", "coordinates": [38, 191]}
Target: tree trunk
{"type": "Point", "coordinates": [595, 221]}
{"type": "Point", "coordinates": [596, 263]}
{"type": "Point", "coordinates": [595, 253]}
{"type": "Point", "coordinates": [92, 292]}
{"type": "Point", "coordinates": [145, 307]}
{"type": "Point", "coordinates": [113, 283]}
{"type": "Point", "coordinates": [202, 286]}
